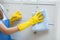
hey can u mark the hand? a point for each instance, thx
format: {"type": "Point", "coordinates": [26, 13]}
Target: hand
{"type": "Point", "coordinates": [38, 17]}
{"type": "Point", "coordinates": [16, 16]}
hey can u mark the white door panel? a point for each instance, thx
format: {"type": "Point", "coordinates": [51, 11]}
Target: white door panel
{"type": "Point", "coordinates": [27, 12]}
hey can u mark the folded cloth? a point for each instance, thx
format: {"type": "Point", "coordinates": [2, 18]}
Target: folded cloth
{"type": "Point", "coordinates": [43, 25]}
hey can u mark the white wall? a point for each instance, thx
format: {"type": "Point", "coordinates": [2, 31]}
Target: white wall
{"type": "Point", "coordinates": [28, 33]}
{"type": "Point", "coordinates": [58, 21]}
{"type": "Point", "coordinates": [26, 0]}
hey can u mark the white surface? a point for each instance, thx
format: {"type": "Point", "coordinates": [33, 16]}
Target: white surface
{"type": "Point", "coordinates": [30, 1]}
{"type": "Point", "coordinates": [58, 21]}
{"type": "Point", "coordinates": [27, 11]}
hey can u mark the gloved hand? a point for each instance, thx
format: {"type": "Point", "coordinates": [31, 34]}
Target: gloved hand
{"type": "Point", "coordinates": [38, 17]}
{"type": "Point", "coordinates": [16, 16]}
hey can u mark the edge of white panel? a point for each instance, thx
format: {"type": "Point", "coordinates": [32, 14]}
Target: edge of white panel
{"type": "Point", "coordinates": [30, 3]}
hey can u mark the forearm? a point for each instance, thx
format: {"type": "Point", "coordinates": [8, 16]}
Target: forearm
{"type": "Point", "coordinates": [8, 30]}
{"type": "Point", "coordinates": [11, 30]}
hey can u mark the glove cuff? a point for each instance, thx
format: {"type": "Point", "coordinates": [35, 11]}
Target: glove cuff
{"type": "Point", "coordinates": [24, 25]}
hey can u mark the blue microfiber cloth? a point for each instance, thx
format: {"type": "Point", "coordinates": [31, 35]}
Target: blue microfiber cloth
{"type": "Point", "coordinates": [44, 25]}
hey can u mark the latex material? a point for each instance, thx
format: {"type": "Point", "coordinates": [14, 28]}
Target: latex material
{"type": "Point", "coordinates": [38, 17]}
{"type": "Point", "coordinates": [44, 25]}
{"type": "Point", "coordinates": [16, 16]}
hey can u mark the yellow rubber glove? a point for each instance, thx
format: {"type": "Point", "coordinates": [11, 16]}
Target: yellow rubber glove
{"type": "Point", "coordinates": [38, 17]}
{"type": "Point", "coordinates": [16, 16]}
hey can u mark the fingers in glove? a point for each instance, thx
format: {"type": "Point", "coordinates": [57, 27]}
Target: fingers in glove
{"type": "Point", "coordinates": [41, 17]}
{"type": "Point", "coordinates": [37, 13]}
{"type": "Point", "coordinates": [40, 14]}
{"type": "Point", "coordinates": [41, 20]}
